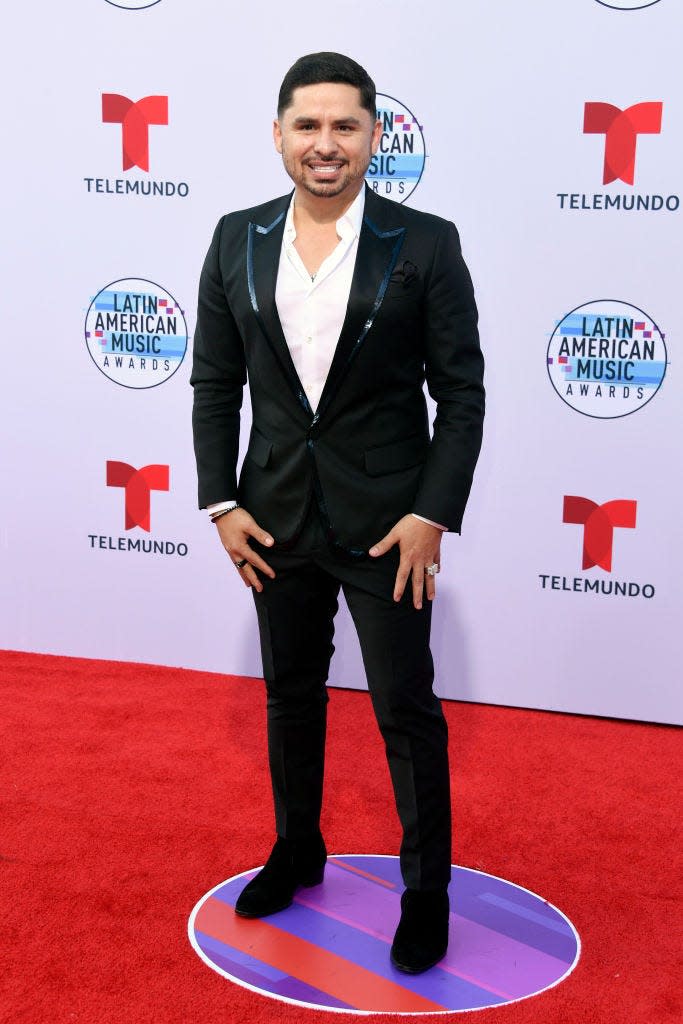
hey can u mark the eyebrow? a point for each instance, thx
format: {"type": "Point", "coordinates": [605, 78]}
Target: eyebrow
{"type": "Point", "coordinates": [340, 120]}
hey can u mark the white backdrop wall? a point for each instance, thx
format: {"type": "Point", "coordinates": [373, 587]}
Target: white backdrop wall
{"type": "Point", "coordinates": [499, 90]}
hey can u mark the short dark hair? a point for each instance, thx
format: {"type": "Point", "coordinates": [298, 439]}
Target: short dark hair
{"type": "Point", "coordinates": [315, 68]}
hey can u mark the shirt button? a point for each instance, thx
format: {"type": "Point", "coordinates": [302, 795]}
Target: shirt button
{"type": "Point", "coordinates": [309, 339]}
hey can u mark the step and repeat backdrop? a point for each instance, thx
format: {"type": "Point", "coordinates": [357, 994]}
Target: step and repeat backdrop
{"type": "Point", "coordinates": [550, 133]}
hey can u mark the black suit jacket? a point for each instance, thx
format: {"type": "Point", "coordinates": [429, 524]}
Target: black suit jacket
{"type": "Point", "coordinates": [365, 456]}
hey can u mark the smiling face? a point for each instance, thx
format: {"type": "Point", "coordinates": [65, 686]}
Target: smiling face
{"type": "Point", "coordinates": [327, 139]}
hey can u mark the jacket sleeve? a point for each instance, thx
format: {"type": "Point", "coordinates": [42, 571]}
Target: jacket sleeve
{"type": "Point", "coordinates": [454, 368]}
{"type": "Point", "coordinates": [218, 378]}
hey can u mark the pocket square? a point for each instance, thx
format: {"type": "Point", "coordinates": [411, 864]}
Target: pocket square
{"type": "Point", "coordinates": [405, 274]}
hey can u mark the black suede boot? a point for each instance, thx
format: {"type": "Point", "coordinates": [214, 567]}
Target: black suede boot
{"type": "Point", "coordinates": [292, 863]}
{"type": "Point", "coordinates": [421, 939]}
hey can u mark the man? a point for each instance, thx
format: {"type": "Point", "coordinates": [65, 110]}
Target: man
{"type": "Point", "coordinates": [335, 304]}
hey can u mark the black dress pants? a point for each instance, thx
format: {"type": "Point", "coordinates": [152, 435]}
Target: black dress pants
{"type": "Point", "coordinates": [295, 615]}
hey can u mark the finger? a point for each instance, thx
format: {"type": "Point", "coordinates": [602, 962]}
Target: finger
{"type": "Point", "coordinates": [240, 529]}
{"type": "Point", "coordinates": [250, 578]}
{"type": "Point", "coordinates": [244, 551]}
{"type": "Point", "coordinates": [430, 580]}
{"type": "Point", "coordinates": [383, 545]}
{"type": "Point", "coordinates": [401, 579]}
{"type": "Point", "coordinates": [418, 584]}
{"type": "Point", "coordinates": [430, 587]}
{"type": "Point", "coordinates": [257, 561]}
{"type": "Point", "coordinates": [260, 535]}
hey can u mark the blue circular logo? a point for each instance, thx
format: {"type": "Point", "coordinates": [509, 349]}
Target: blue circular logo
{"type": "Point", "coordinates": [133, 5]}
{"type": "Point", "coordinates": [330, 949]}
{"type": "Point", "coordinates": [396, 168]}
{"type": "Point", "coordinates": [627, 5]}
{"type": "Point", "coordinates": [606, 359]}
{"type": "Point", "coordinates": [136, 333]}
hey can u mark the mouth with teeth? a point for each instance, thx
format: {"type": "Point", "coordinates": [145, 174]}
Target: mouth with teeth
{"type": "Point", "coordinates": [327, 170]}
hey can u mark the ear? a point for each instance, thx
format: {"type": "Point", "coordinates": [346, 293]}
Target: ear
{"type": "Point", "coordinates": [277, 136]}
{"type": "Point", "coordinates": [376, 136]}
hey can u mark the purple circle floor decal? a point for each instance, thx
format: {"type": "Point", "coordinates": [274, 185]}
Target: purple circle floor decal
{"type": "Point", "coordinates": [330, 949]}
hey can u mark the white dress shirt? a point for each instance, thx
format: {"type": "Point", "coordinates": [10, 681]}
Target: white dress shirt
{"type": "Point", "coordinates": [312, 308]}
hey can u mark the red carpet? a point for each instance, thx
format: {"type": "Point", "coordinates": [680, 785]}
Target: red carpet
{"type": "Point", "coordinates": [128, 791]}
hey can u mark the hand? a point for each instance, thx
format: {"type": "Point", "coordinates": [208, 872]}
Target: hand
{"type": "Point", "coordinates": [234, 530]}
{"type": "Point", "coordinates": [419, 544]}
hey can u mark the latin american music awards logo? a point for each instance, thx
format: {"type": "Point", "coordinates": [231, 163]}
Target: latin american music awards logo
{"type": "Point", "coordinates": [136, 333]}
{"type": "Point", "coordinates": [627, 5]}
{"type": "Point", "coordinates": [133, 5]}
{"type": "Point", "coordinates": [396, 168]}
{"type": "Point", "coordinates": [606, 359]}
{"type": "Point", "coordinates": [132, 121]}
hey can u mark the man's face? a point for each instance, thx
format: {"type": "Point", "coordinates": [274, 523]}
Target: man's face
{"type": "Point", "coordinates": [327, 139]}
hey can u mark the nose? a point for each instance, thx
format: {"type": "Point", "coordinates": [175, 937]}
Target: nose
{"type": "Point", "coordinates": [325, 143]}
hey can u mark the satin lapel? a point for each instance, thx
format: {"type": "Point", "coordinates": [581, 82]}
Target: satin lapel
{"type": "Point", "coordinates": [264, 242]}
{"type": "Point", "coordinates": [375, 260]}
